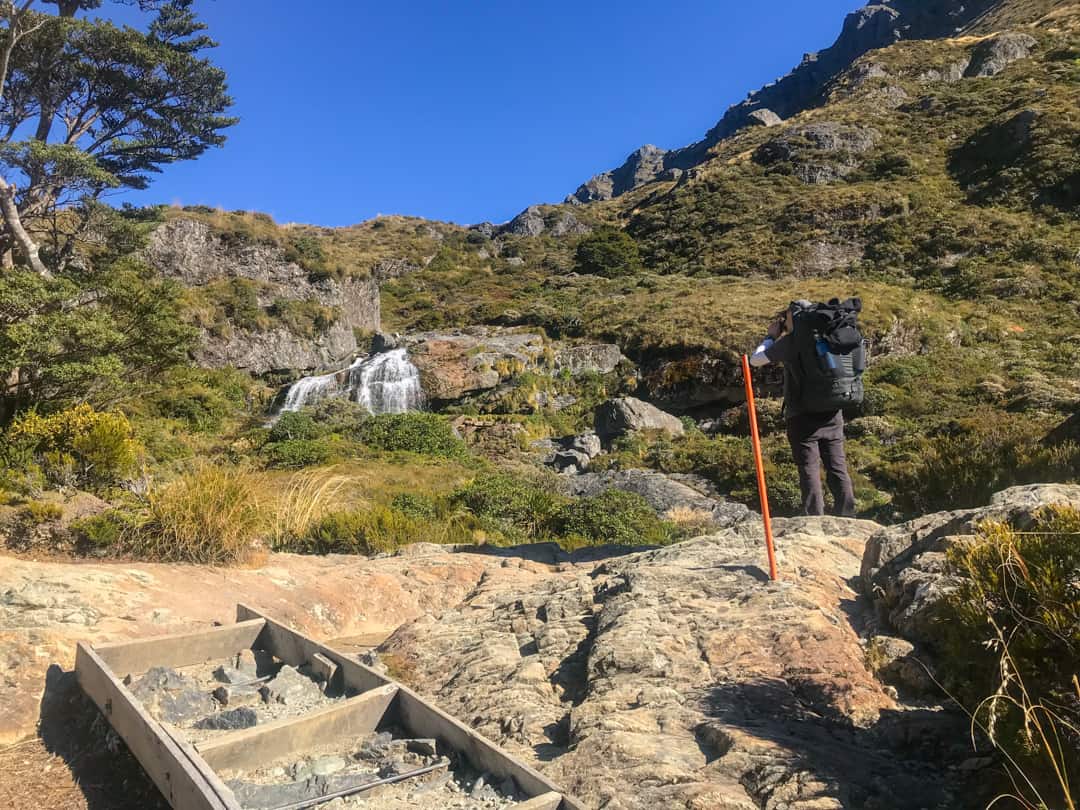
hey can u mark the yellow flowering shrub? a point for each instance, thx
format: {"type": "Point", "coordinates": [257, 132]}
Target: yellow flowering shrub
{"type": "Point", "coordinates": [79, 444]}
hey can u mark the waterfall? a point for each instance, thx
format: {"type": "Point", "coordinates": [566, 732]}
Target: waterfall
{"type": "Point", "coordinates": [382, 383]}
{"type": "Point", "coordinates": [387, 383]}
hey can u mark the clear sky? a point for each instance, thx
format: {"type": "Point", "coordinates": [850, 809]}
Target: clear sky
{"type": "Point", "coordinates": [469, 110]}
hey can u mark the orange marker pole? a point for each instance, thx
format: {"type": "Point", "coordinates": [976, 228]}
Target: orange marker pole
{"type": "Point", "coordinates": [755, 437]}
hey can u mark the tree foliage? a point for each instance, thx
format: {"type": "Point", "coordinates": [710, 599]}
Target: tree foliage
{"type": "Point", "coordinates": [90, 335]}
{"type": "Point", "coordinates": [608, 252]}
{"type": "Point", "coordinates": [89, 106]}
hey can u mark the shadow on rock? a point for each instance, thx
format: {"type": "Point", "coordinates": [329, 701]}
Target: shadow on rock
{"type": "Point", "coordinates": [913, 759]}
{"type": "Point", "coordinates": [72, 728]}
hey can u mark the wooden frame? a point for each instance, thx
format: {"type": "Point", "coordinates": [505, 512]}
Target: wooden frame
{"type": "Point", "coordinates": [188, 775]}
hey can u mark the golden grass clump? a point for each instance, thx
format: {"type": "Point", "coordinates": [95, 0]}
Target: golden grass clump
{"type": "Point", "coordinates": [306, 498]}
{"type": "Point", "coordinates": [212, 515]}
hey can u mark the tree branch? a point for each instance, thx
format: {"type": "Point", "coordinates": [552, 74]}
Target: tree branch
{"type": "Point", "coordinates": [10, 212]}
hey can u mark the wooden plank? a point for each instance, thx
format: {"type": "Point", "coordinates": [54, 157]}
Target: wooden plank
{"type": "Point", "coordinates": [425, 720]}
{"type": "Point", "coordinates": [182, 785]}
{"type": "Point", "coordinates": [297, 649]}
{"type": "Point", "coordinates": [323, 668]}
{"type": "Point", "coordinates": [421, 718]}
{"type": "Point", "coordinates": [213, 781]}
{"type": "Point", "coordinates": [549, 801]}
{"type": "Point", "coordinates": [179, 649]}
{"type": "Point", "coordinates": [252, 747]}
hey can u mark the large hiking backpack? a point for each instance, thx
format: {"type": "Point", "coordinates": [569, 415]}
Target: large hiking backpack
{"type": "Point", "coordinates": [832, 355]}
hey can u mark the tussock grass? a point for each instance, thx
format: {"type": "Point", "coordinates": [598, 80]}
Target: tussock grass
{"type": "Point", "coordinates": [306, 498]}
{"type": "Point", "coordinates": [212, 515]}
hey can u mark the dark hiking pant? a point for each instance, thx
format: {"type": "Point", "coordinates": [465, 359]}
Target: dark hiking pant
{"type": "Point", "coordinates": [817, 438]}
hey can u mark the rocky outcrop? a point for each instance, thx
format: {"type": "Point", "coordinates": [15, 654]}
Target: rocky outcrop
{"type": "Point", "coordinates": [680, 678]}
{"type": "Point", "coordinates": [992, 56]}
{"type": "Point", "coordinates": [877, 25]}
{"type": "Point", "coordinates": [192, 253]}
{"type": "Point", "coordinates": [904, 567]}
{"type": "Point", "coordinates": [818, 153]}
{"type": "Point", "coordinates": [666, 495]}
{"type": "Point", "coordinates": [622, 415]}
{"type": "Point", "coordinates": [533, 221]}
{"type": "Point", "coordinates": [594, 358]}
{"type": "Point", "coordinates": [461, 362]}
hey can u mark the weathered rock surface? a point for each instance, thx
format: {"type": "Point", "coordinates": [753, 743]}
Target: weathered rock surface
{"type": "Point", "coordinates": [460, 362]}
{"type": "Point", "coordinates": [680, 678]}
{"type": "Point", "coordinates": [46, 607]}
{"type": "Point", "coordinates": [596, 358]}
{"type": "Point", "coordinates": [992, 56]}
{"type": "Point", "coordinates": [194, 254]}
{"type": "Point", "coordinates": [663, 493]}
{"type": "Point", "coordinates": [628, 414]}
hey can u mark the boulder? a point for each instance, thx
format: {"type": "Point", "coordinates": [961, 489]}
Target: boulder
{"type": "Point", "coordinates": [460, 362]}
{"type": "Point", "coordinates": [570, 462]}
{"type": "Point", "coordinates": [663, 493]}
{"type": "Point", "coordinates": [592, 358]}
{"type": "Point", "coordinates": [763, 118]}
{"type": "Point", "coordinates": [991, 56]}
{"type": "Point", "coordinates": [628, 414]}
{"type": "Point", "coordinates": [904, 567]}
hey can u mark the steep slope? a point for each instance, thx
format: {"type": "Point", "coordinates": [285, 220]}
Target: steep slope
{"type": "Point", "coordinates": [878, 25]}
{"type": "Point", "coordinates": [939, 179]}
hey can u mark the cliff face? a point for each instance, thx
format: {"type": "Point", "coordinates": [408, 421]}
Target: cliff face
{"type": "Point", "coordinates": [259, 311]}
{"type": "Point", "coordinates": [877, 25]}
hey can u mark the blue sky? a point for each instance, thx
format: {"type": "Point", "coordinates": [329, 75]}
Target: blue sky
{"type": "Point", "coordinates": [469, 110]}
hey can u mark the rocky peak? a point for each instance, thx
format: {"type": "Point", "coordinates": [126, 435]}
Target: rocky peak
{"type": "Point", "coordinates": [877, 25]}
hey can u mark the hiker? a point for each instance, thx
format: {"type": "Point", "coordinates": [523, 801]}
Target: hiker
{"type": "Point", "coordinates": [824, 357]}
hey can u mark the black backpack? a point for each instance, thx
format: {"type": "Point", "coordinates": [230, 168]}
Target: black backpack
{"type": "Point", "coordinates": [832, 355]}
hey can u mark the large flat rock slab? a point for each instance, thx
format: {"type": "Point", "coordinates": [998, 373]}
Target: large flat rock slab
{"type": "Point", "coordinates": [45, 607]}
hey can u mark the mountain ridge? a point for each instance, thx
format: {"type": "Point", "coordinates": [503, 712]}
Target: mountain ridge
{"type": "Point", "coordinates": [876, 25]}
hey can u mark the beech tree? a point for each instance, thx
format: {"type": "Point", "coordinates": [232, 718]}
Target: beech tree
{"type": "Point", "coordinates": [87, 106]}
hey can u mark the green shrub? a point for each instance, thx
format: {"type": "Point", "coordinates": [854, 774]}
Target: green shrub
{"type": "Point", "coordinates": [608, 252]}
{"type": "Point", "coordinates": [964, 469]}
{"type": "Point", "coordinates": [295, 453]}
{"type": "Point", "coordinates": [374, 531]}
{"type": "Point", "coordinates": [202, 409]}
{"type": "Point", "coordinates": [511, 506]}
{"type": "Point", "coordinates": [416, 505]}
{"type": "Point", "coordinates": [1010, 644]}
{"type": "Point", "coordinates": [294, 425]}
{"type": "Point", "coordinates": [42, 511]}
{"type": "Point", "coordinates": [615, 517]}
{"type": "Point", "coordinates": [106, 530]}
{"type": "Point", "coordinates": [79, 445]}
{"type": "Point", "coordinates": [424, 433]}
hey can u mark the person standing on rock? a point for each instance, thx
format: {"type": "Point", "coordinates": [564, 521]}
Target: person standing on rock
{"type": "Point", "coordinates": [824, 357]}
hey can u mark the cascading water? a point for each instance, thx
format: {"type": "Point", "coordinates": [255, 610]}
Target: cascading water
{"type": "Point", "coordinates": [387, 383]}
{"type": "Point", "coordinates": [382, 383]}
